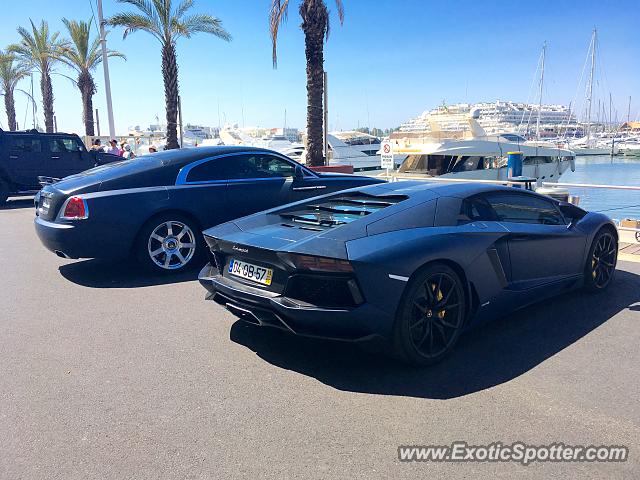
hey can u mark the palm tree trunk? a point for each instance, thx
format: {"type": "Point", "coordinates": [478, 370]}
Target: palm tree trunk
{"type": "Point", "coordinates": [170, 77]}
{"type": "Point", "coordinates": [314, 23]}
{"type": "Point", "coordinates": [10, 107]}
{"type": "Point", "coordinates": [47, 99]}
{"type": "Point", "coordinates": [87, 88]}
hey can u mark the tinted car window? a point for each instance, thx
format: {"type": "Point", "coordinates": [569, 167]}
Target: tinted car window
{"type": "Point", "coordinates": [27, 144]}
{"type": "Point", "coordinates": [208, 171]}
{"type": "Point", "coordinates": [476, 209]}
{"type": "Point", "coordinates": [57, 145]}
{"type": "Point", "coordinates": [240, 167]}
{"type": "Point", "coordinates": [522, 208]}
{"type": "Point", "coordinates": [258, 166]}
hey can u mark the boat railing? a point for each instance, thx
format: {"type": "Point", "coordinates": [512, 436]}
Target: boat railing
{"type": "Point", "coordinates": [587, 186]}
{"type": "Point", "coordinates": [395, 177]}
{"type": "Point", "coordinates": [590, 185]}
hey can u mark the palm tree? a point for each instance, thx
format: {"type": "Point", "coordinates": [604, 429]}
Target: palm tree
{"type": "Point", "coordinates": [315, 25]}
{"type": "Point", "coordinates": [11, 72]}
{"type": "Point", "coordinates": [84, 55]}
{"type": "Point", "coordinates": [41, 50]}
{"type": "Point", "coordinates": [167, 24]}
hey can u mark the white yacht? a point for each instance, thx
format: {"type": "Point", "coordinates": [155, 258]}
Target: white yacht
{"type": "Point", "coordinates": [591, 146]}
{"type": "Point", "coordinates": [362, 142]}
{"type": "Point", "coordinates": [630, 146]}
{"type": "Point", "coordinates": [478, 156]}
{"type": "Point", "coordinates": [359, 150]}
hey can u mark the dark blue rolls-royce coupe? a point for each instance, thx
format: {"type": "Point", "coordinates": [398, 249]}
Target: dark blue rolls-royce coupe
{"type": "Point", "coordinates": [156, 206]}
{"type": "Point", "coordinates": [411, 263]}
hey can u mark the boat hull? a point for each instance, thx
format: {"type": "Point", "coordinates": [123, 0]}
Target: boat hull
{"type": "Point", "coordinates": [595, 151]}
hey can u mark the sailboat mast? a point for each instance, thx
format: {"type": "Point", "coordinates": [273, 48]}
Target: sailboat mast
{"type": "Point", "coordinates": [610, 112]}
{"type": "Point", "coordinates": [544, 53]}
{"type": "Point", "coordinates": [590, 92]}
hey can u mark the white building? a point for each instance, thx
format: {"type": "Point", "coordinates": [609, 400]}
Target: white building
{"type": "Point", "coordinates": [496, 117]}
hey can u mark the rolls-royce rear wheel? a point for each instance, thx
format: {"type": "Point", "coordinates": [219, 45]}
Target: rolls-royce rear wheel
{"type": "Point", "coordinates": [170, 243]}
{"type": "Point", "coordinates": [430, 317]}
{"type": "Point", "coordinates": [601, 261]}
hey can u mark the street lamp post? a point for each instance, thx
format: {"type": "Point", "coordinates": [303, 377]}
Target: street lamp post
{"type": "Point", "coordinates": [105, 66]}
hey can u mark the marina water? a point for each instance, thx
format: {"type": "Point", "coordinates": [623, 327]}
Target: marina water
{"type": "Point", "coordinates": [604, 170]}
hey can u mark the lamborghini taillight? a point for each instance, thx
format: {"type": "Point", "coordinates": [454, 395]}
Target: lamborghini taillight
{"type": "Point", "coordinates": [319, 264]}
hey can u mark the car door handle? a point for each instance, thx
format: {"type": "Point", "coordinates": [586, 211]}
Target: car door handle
{"type": "Point", "coordinates": [13, 157]}
{"type": "Point", "coordinates": [53, 156]}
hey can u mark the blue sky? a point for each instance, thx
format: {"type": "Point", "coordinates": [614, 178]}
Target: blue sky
{"type": "Point", "coordinates": [388, 62]}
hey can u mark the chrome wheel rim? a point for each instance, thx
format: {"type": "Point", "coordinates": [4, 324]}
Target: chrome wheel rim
{"type": "Point", "coordinates": [603, 260]}
{"type": "Point", "coordinates": [436, 315]}
{"type": "Point", "coordinates": [171, 245]}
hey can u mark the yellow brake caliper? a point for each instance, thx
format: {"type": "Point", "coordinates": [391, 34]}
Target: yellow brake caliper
{"type": "Point", "coordinates": [439, 297]}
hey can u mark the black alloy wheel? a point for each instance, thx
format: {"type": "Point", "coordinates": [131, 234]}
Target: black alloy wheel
{"type": "Point", "coordinates": [602, 260]}
{"type": "Point", "coordinates": [430, 317]}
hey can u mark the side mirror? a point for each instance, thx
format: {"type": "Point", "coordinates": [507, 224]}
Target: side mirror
{"type": "Point", "coordinates": [299, 173]}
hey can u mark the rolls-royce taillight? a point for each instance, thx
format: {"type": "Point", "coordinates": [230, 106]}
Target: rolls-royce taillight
{"type": "Point", "coordinates": [75, 208]}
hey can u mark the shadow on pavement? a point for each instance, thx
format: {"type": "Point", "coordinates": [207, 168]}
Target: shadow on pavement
{"type": "Point", "coordinates": [484, 357]}
{"type": "Point", "coordinates": [123, 274]}
{"type": "Point", "coordinates": [16, 203]}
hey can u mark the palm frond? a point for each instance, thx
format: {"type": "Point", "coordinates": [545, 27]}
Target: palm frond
{"type": "Point", "coordinates": [19, 49]}
{"type": "Point", "coordinates": [27, 42]}
{"type": "Point", "coordinates": [38, 47]}
{"type": "Point", "coordinates": [84, 53]}
{"type": "Point", "coordinates": [149, 11]}
{"type": "Point", "coordinates": [166, 23]}
{"type": "Point", "coordinates": [133, 22]}
{"type": "Point", "coordinates": [340, 7]}
{"type": "Point", "coordinates": [12, 70]}
{"type": "Point", "coordinates": [145, 6]}
{"type": "Point", "coordinates": [182, 8]}
{"type": "Point", "coordinates": [163, 10]}
{"type": "Point", "coordinates": [95, 54]}
{"type": "Point", "coordinates": [277, 16]}
{"type": "Point", "coordinates": [200, 23]}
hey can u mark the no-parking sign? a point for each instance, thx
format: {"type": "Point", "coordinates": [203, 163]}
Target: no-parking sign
{"type": "Point", "coordinates": [386, 154]}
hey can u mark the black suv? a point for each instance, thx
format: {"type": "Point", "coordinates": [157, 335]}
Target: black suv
{"type": "Point", "coordinates": [25, 156]}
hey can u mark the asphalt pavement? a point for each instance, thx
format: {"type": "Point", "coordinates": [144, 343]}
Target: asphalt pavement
{"type": "Point", "coordinates": [107, 373]}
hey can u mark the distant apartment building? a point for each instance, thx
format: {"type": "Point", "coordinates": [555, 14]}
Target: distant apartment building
{"type": "Point", "coordinates": [496, 117]}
